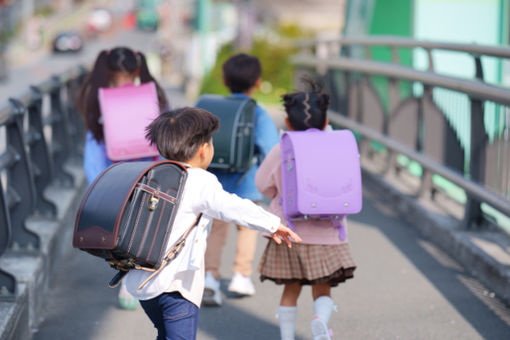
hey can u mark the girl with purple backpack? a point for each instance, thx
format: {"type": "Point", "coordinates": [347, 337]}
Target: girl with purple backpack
{"type": "Point", "coordinates": [323, 259]}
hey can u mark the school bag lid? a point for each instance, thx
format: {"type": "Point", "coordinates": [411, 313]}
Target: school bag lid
{"type": "Point", "coordinates": [326, 179]}
{"type": "Point", "coordinates": [127, 110]}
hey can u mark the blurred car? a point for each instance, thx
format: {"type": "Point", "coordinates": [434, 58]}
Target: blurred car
{"type": "Point", "coordinates": [67, 42]}
{"type": "Point", "coordinates": [147, 16]}
{"type": "Point", "coordinates": [99, 20]}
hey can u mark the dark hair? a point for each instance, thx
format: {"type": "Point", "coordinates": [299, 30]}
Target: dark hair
{"type": "Point", "coordinates": [240, 72]}
{"type": "Point", "coordinates": [307, 109]}
{"type": "Point", "coordinates": [179, 133]}
{"type": "Point", "coordinates": [109, 62]}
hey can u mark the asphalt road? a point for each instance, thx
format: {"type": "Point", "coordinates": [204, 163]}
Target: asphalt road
{"type": "Point", "coordinates": [404, 288]}
{"type": "Point", "coordinates": [44, 65]}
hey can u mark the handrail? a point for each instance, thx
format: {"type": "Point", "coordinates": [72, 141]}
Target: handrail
{"type": "Point", "coordinates": [33, 160]}
{"type": "Point", "coordinates": [391, 41]}
{"type": "Point", "coordinates": [474, 88]}
{"type": "Point", "coordinates": [472, 188]}
{"type": "Point", "coordinates": [427, 152]}
{"type": "Point", "coordinates": [27, 96]}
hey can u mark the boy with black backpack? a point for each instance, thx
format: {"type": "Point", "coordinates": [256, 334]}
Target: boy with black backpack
{"type": "Point", "coordinates": [242, 75]}
{"type": "Point", "coordinates": [171, 297]}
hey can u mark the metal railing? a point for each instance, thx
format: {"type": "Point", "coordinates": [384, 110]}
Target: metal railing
{"type": "Point", "coordinates": [368, 97]}
{"type": "Point", "coordinates": [41, 131]}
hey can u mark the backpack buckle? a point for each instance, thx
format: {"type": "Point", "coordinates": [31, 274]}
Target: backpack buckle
{"type": "Point", "coordinates": [153, 202]}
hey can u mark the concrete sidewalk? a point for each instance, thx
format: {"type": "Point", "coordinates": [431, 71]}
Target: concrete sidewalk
{"type": "Point", "coordinates": [404, 288]}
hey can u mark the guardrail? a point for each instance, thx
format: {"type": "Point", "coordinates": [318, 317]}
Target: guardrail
{"type": "Point", "coordinates": [379, 100]}
{"type": "Point", "coordinates": [40, 131]}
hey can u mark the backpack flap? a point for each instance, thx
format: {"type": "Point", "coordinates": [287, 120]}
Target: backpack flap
{"type": "Point", "coordinates": [234, 142]}
{"type": "Point", "coordinates": [128, 212]}
{"type": "Point", "coordinates": [321, 176]}
{"type": "Point", "coordinates": [127, 111]}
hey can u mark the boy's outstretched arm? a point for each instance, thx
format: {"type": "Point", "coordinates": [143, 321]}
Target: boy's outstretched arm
{"type": "Point", "coordinates": [286, 234]}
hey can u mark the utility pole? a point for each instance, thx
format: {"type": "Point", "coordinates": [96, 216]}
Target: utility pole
{"type": "Point", "coordinates": [247, 19]}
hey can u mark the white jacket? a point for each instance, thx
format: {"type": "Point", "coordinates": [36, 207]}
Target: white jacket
{"type": "Point", "coordinates": [202, 193]}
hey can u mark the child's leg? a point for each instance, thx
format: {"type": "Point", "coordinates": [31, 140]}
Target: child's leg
{"type": "Point", "coordinates": [215, 243]}
{"type": "Point", "coordinates": [290, 294]}
{"type": "Point", "coordinates": [323, 305]}
{"type": "Point", "coordinates": [173, 316]}
{"type": "Point", "coordinates": [241, 280]}
{"type": "Point", "coordinates": [152, 309]}
{"type": "Point", "coordinates": [287, 312]}
{"type": "Point", "coordinates": [246, 244]}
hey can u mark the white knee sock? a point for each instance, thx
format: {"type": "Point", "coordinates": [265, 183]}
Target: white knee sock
{"type": "Point", "coordinates": [322, 307]}
{"type": "Point", "coordinates": [287, 316]}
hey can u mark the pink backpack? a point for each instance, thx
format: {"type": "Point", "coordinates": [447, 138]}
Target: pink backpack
{"type": "Point", "coordinates": [126, 112]}
{"type": "Point", "coordinates": [321, 176]}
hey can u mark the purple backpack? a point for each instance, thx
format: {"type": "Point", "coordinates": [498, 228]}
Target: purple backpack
{"type": "Point", "coordinates": [321, 176]}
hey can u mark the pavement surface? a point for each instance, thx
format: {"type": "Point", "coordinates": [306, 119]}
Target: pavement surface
{"type": "Point", "coordinates": [404, 288]}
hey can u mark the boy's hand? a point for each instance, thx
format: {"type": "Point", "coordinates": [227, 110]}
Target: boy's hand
{"type": "Point", "coordinates": [286, 234]}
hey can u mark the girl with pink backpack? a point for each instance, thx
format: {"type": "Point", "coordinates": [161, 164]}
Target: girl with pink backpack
{"type": "Point", "coordinates": [323, 259]}
{"type": "Point", "coordinates": [113, 69]}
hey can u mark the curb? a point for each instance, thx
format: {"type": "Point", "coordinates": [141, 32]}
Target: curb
{"type": "Point", "coordinates": [445, 232]}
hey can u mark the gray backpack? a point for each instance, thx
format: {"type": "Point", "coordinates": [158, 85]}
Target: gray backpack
{"type": "Point", "coordinates": [234, 142]}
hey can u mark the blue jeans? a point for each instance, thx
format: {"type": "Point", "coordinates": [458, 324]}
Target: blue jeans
{"type": "Point", "coordinates": [174, 317]}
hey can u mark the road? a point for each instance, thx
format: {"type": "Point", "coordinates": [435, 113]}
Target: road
{"type": "Point", "coordinates": [47, 64]}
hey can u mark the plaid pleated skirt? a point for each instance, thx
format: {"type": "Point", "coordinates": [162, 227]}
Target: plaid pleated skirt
{"type": "Point", "coordinates": [307, 264]}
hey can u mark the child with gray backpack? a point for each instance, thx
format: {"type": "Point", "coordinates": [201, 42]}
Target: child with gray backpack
{"type": "Point", "coordinates": [246, 134]}
{"type": "Point", "coordinates": [323, 259]}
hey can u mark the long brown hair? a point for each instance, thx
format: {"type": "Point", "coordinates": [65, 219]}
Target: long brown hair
{"type": "Point", "coordinates": [109, 62]}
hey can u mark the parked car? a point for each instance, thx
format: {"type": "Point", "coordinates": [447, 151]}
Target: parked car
{"type": "Point", "coordinates": [67, 42]}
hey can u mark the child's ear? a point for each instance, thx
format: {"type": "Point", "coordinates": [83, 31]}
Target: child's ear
{"type": "Point", "coordinates": [258, 82]}
{"type": "Point", "coordinates": [287, 122]}
{"type": "Point", "coordinates": [325, 124]}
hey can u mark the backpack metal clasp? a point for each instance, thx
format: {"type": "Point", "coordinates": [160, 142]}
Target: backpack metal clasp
{"type": "Point", "coordinates": [153, 202]}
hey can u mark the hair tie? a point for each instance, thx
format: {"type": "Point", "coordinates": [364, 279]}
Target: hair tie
{"type": "Point", "coordinates": [138, 58]}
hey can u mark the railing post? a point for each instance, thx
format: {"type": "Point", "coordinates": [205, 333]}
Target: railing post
{"type": "Point", "coordinates": [20, 183]}
{"type": "Point", "coordinates": [426, 185]}
{"type": "Point", "coordinates": [8, 285]}
{"type": "Point", "coordinates": [61, 141]}
{"type": "Point", "coordinates": [473, 215]}
{"type": "Point", "coordinates": [39, 155]}
{"type": "Point", "coordinates": [76, 123]}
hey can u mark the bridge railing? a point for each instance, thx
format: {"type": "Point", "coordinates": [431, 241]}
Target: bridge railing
{"type": "Point", "coordinates": [454, 127]}
{"type": "Point", "coordinates": [40, 131]}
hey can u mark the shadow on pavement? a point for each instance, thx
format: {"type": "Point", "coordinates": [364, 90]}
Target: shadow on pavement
{"type": "Point", "coordinates": [230, 322]}
{"type": "Point", "coordinates": [484, 312]}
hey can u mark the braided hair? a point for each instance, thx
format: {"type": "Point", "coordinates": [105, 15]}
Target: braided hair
{"type": "Point", "coordinates": [307, 109]}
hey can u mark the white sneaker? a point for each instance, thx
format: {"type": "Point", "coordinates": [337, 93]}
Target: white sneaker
{"type": "Point", "coordinates": [241, 285]}
{"type": "Point", "coordinates": [212, 294]}
{"type": "Point", "coordinates": [320, 330]}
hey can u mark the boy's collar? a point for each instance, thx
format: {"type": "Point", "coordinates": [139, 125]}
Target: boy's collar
{"type": "Point", "coordinates": [237, 94]}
